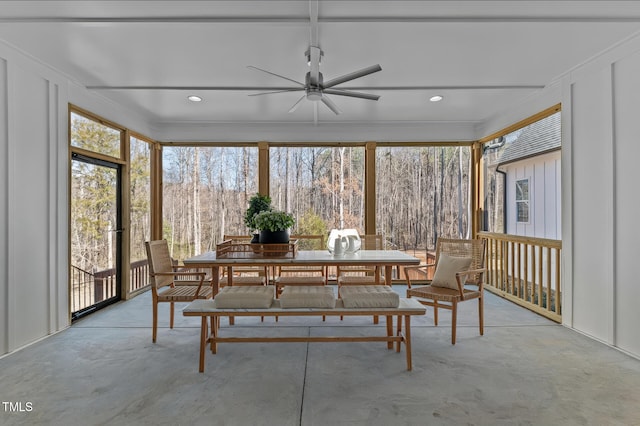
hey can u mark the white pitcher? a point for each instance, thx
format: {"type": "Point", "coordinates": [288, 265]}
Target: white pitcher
{"type": "Point", "coordinates": [353, 244]}
{"type": "Point", "coordinates": [340, 245]}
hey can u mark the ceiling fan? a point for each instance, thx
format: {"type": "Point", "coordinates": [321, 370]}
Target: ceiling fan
{"type": "Point", "coordinates": [316, 89]}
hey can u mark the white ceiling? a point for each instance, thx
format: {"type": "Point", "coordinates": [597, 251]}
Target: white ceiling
{"type": "Point", "coordinates": [482, 56]}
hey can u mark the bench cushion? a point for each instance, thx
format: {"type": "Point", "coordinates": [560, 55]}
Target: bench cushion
{"type": "Point", "coordinates": [369, 296]}
{"type": "Point", "coordinates": [249, 297]}
{"type": "Point", "coordinates": [308, 297]}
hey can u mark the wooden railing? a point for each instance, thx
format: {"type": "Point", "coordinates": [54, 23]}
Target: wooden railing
{"type": "Point", "coordinates": [139, 275]}
{"type": "Point", "coordinates": [89, 288]}
{"type": "Point", "coordinates": [526, 271]}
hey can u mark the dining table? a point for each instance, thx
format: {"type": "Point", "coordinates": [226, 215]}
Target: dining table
{"type": "Point", "coordinates": [387, 259]}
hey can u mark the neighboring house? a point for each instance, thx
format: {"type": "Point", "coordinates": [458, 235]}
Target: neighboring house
{"type": "Point", "coordinates": [531, 165]}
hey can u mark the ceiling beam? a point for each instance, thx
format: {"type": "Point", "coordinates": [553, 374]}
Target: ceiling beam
{"type": "Point", "coordinates": [274, 88]}
{"type": "Point", "coordinates": [304, 20]}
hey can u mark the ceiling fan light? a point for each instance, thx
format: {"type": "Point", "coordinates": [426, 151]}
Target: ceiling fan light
{"type": "Point", "coordinates": [194, 98]}
{"type": "Point", "coordinates": [436, 98]}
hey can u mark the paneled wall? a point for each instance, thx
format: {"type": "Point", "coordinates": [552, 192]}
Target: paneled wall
{"type": "Point", "coordinates": [605, 149]}
{"type": "Point", "coordinates": [33, 250]}
{"type": "Point", "coordinates": [545, 192]}
{"type": "Point", "coordinates": [600, 196]}
{"type": "Point", "coordinates": [626, 214]}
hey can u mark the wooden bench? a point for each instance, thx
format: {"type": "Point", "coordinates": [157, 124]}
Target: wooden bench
{"type": "Point", "coordinates": [207, 309]}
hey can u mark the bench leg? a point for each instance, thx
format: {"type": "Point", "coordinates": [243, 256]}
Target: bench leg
{"type": "Point", "coordinates": [399, 333]}
{"type": "Point", "coordinates": [389, 331]}
{"type": "Point", "coordinates": [214, 333]}
{"type": "Point", "coordinates": [203, 342]}
{"type": "Point", "coordinates": [407, 340]}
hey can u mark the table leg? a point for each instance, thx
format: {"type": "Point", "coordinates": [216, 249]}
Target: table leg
{"type": "Point", "coordinates": [232, 320]}
{"type": "Point", "coordinates": [388, 269]}
{"type": "Point", "coordinates": [215, 279]}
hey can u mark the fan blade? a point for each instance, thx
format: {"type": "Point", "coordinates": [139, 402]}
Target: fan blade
{"type": "Point", "coordinates": [352, 76]}
{"type": "Point", "coordinates": [277, 91]}
{"type": "Point", "coordinates": [295, 106]}
{"type": "Point", "coordinates": [333, 107]}
{"type": "Point", "coordinates": [342, 92]}
{"type": "Point", "coordinates": [314, 64]}
{"type": "Point", "coordinates": [277, 75]}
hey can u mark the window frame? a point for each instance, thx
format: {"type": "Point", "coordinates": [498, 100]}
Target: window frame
{"type": "Point", "coordinates": [520, 202]}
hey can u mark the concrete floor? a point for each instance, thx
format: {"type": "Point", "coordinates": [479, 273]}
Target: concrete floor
{"type": "Point", "coordinates": [525, 370]}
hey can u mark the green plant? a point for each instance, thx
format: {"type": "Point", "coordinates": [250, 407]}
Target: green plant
{"type": "Point", "coordinates": [257, 203]}
{"type": "Point", "coordinates": [273, 220]}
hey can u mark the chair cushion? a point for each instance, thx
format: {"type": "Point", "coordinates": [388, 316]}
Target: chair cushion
{"type": "Point", "coordinates": [306, 280]}
{"type": "Point", "coordinates": [308, 297]}
{"type": "Point", "coordinates": [249, 297]}
{"type": "Point", "coordinates": [369, 296]}
{"type": "Point", "coordinates": [243, 281]}
{"type": "Point", "coordinates": [356, 280]}
{"type": "Point", "coordinates": [446, 270]}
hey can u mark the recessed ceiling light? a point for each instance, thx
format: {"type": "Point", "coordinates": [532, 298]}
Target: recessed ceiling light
{"type": "Point", "coordinates": [436, 98]}
{"type": "Point", "coordinates": [194, 98]}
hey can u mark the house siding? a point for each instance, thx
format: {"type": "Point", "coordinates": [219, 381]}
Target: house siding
{"type": "Point", "coordinates": [543, 173]}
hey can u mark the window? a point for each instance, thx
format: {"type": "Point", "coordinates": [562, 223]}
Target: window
{"type": "Point", "coordinates": [139, 206]}
{"type": "Point", "coordinates": [93, 136]}
{"type": "Point", "coordinates": [422, 193]}
{"type": "Point", "coordinates": [504, 155]}
{"type": "Point", "coordinates": [205, 193]}
{"type": "Point", "coordinates": [323, 187]}
{"type": "Point", "coordinates": [522, 200]}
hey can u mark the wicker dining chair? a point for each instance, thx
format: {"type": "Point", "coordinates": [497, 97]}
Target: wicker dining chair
{"type": "Point", "coordinates": [245, 275]}
{"type": "Point", "coordinates": [458, 262]}
{"type": "Point", "coordinates": [163, 275]}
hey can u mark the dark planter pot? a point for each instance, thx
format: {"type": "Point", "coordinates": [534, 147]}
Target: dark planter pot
{"type": "Point", "coordinates": [274, 237]}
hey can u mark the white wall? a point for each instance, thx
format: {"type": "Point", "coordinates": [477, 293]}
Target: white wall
{"type": "Point", "coordinates": [33, 201]}
{"type": "Point", "coordinates": [605, 150]}
{"type": "Point", "coordinates": [600, 197]}
{"type": "Point", "coordinates": [34, 168]}
{"type": "Point", "coordinates": [543, 172]}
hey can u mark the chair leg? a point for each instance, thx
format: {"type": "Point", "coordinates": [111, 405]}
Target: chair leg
{"type": "Point", "coordinates": [481, 314]}
{"type": "Point", "coordinates": [171, 316]}
{"type": "Point", "coordinates": [155, 321]}
{"type": "Point", "coordinates": [435, 312]}
{"type": "Point", "coordinates": [454, 317]}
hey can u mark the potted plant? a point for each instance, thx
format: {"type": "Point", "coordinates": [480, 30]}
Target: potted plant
{"type": "Point", "coordinates": [274, 226]}
{"type": "Point", "coordinates": [257, 203]}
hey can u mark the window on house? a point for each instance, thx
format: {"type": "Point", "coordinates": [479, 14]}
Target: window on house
{"type": "Point", "coordinates": [522, 200]}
